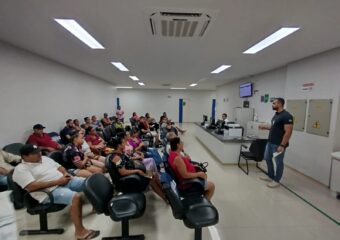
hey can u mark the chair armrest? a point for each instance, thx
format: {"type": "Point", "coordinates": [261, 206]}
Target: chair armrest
{"type": "Point", "coordinates": [27, 197]}
{"type": "Point", "coordinates": [198, 181]}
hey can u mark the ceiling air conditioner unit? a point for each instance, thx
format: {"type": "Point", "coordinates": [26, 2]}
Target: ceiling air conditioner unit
{"type": "Point", "coordinates": [179, 24]}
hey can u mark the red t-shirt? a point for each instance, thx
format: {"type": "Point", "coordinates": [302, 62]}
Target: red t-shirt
{"type": "Point", "coordinates": [43, 141]}
{"type": "Point", "coordinates": [93, 139]}
{"type": "Point", "coordinates": [189, 166]}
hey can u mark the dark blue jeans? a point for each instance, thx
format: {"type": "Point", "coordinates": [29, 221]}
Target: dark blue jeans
{"type": "Point", "coordinates": [268, 156]}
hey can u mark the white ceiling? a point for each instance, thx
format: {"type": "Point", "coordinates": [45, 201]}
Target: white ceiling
{"type": "Point", "coordinates": [122, 27]}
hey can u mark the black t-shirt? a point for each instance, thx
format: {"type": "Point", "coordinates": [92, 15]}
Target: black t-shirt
{"type": "Point", "coordinates": [277, 129]}
{"type": "Point", "coordinates": [63, 133]}
{"type": "Point", "coordinates": [73, 156]}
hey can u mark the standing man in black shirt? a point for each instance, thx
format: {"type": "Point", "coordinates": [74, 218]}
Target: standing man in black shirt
{"type": "Point", "coordinates": [281, 129]}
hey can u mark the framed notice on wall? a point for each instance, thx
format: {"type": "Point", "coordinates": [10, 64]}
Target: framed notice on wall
{"type": "Point", "coordinates": [298, 109]}
{"type": "Point", "coordinates": [319, 116]}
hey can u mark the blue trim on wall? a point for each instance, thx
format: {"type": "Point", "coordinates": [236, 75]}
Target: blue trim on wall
{"type": "Point", "coordinates": [180, 114]}
{"type": "Point", "coordinates": [213, 109]}
{"type": "Point", "coordinates": [118, 102]}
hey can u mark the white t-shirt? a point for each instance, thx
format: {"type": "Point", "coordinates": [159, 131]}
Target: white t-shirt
{"type": "Point", "coordinates": [226, 121]}
{"type": "Point", "coordinates": [85, 147]}
{"type": "Point", "coordinates": [44, 171]}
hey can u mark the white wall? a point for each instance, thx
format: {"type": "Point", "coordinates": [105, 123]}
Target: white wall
{"type": "Point", "coordinates": [156, 102]}
{"type": "Point", "coordinates": [272, 83]}
{"type": "Point", "coordinates": [309, 154]}
{"type": "Point", "coordinates": [36, 90]}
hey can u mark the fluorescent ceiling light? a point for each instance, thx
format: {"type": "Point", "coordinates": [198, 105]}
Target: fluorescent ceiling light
{"type": "Point", "coordinates": [123, 87]}
{"type": "Point", "coordinates": [174, 88]}
{"type": "Point", "coordinates": [134, 78]}
{"type": "Point", "coordinates": [78, 31]}
{"type": "Point", "coordinates": [193, 84]}
{"type": "Point", "coordinates": [120, 66]}
{"type": "Point", "coordinates": [220, 69]}
{"type": "Point", "coordinates": [271, 39]}
{"type": "Point", "coordinates": [141, 84]}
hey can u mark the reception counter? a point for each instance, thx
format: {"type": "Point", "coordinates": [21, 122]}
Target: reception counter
{"type": "Point", "coordinates": [225, 149]}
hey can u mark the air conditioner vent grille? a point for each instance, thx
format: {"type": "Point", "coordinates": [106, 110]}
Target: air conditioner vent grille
{"type": "Point", "coordinates": [170, 24]}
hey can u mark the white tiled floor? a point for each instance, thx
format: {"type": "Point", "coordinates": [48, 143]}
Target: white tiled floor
{"type": "Point", "coordinates": [247, 208]}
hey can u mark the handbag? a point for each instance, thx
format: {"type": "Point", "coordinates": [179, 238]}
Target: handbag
{"type": "Point", "coordinates": [201, 167]}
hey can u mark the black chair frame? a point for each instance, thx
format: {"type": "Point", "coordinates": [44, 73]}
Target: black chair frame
{"type": "Point", "coordinates": [103, 201]}
{"type": "Point", "coordinates": [183, 209]}
{"type": "Point", "coordinates": [36, 208]}
{"type": "Point", "coordinates": [255, 153]}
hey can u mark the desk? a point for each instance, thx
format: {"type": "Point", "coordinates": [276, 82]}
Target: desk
{"type": "Point", "coordinates": [225, 149]}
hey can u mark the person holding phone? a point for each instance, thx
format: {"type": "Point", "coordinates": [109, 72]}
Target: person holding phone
{"type": "Point", "coordinates": [37, 172]}
{"type": "Point", "coordinates": [280, 131]}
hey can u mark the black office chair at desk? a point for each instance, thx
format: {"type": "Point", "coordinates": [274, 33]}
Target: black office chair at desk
{"type": "Point", "coordinates": [255, 153]}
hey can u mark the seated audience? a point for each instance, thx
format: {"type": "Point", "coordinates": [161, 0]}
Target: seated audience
{"type": "Point", "coordinates": [145, 130]}
{"type": "Point", "coordinates": [184, 169]}
{"type": "Point", "coordinates": [169, 137]}
{"type": "Point", "coordinates": [152, 122]}
{"type": "Point", "coordinates": [87, 123]}
{"type": "Point", "coordinates": [96, 123]}
{"type": "Point", "coordinates": [120, 114]}
{"type": "Point", "coordinates": [43, 140]}
{"type": "Point", "coordinates": [138, 145]}
{"type": "Point", "coordinates": [106, 120]}
{"type": "Point", "coordinates": [65, 134]}
{"type": "Point", "coordinates": [135, 116]}
{"type": "Point", "coordinates": [95, 142]}
{"type": "Point", "coordinates": [127, 166]}
{"type": "Point", "coordinates": [172, 124]}
{"type": "Point", "coordinates": [7, 160]}
{"type": "Point", "coordinates": [85, 148]}
{"type": "Point", "coordinates": [38, 172]}
{"type": "Point", "coordinates": [76, 124]}
{"type": "Point", "coordinates": [117, 123]}
{"type": "Point", "coordinates": [148, 162]}
{"type": "Point", "coordinates": [83, 163]}
{"type": "Point", "coordinates": [163, 127]}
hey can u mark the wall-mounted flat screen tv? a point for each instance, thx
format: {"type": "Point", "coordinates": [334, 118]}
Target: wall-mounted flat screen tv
{"type": "Point", "coordinates": [246, 90]}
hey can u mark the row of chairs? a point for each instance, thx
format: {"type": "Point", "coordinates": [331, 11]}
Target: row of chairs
{"type": "Point", "coordinates": [189, 206]}
{"type": "Point", "coordinates": [131, 204]}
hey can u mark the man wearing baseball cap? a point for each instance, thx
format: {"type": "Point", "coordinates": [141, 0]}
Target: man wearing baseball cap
{"type": "Point", "coordinates": [37, 172]}
{"type": "Point", "coordinates": [43, 140]}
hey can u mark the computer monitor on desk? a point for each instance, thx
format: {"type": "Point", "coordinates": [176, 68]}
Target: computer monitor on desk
{"type": "Point", "coordinates": [212, 124]}
{"type": "Point", "coordinates": [205, 120]}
